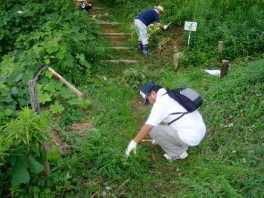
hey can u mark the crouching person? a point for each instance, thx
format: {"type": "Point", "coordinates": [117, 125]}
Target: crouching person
{"type": "Point", "coordinates": [174, 138]}
{"type": "Point", "coordinates": [83, 4]}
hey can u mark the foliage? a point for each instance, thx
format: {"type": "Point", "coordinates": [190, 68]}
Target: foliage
{"type": "Point", "coordinates": [56, 38]}
{"type": "Point", "coordinates": [238, 24]}
{"type": "Point", "coordinates": [21, 156]}
{"type": "Point", "coordinates": [227, 163]}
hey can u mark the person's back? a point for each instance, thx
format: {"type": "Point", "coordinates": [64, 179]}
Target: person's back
{"type": "Point", "coordinates": [148, 17]}
{"type": "Point", "coordinates": [191, 127]}
{"type": "Point", "coordinates": [173, 137]}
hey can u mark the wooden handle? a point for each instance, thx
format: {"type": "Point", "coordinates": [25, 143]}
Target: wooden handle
{"type": "Point", "coordinates": [169, 23]}
{"type": "Point", "coordinates": [65, 82]}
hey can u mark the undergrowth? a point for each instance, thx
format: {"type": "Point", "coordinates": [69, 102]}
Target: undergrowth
{"type": "Point", "coordinates": [227, 163]}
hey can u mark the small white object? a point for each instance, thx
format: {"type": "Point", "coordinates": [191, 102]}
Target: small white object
{"type": "Point", "coordinates": [108, 188]}
{"type": "Point", "coordinates": [165, 27]}
{"type": "Point", "coordinates": [151, 25]}
{"type": "Point", "coordinates": [213, 72]}
{"type": "Point", "coordinates": [154, 142]}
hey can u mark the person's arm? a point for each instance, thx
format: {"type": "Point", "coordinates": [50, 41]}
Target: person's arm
{"type": "Point", "coordinates": [160, 25]}
{"type": "Point", "coordinates": [144, 131]}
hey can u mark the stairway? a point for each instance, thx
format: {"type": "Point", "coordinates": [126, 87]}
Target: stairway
{"type": "Point", "coordinates": [117, 39]}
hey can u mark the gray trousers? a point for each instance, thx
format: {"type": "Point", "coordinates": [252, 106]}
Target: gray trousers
{"type": "Point", "coordinates": [142, 32]}
{"type": "Point", "coordinates": [168, 139]}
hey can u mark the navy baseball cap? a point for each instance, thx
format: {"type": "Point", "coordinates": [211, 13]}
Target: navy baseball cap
{"type": "Point", "coordinates": [145, 90]}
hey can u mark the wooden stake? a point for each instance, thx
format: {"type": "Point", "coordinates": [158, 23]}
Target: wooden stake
{"type": "Point", "coordinates": [224, 69]}
{"type": "Point", "coordinates": [175, 61]}
{"type": "Point", "coordinates": [220, 46]}
{"type": "Point", "coordinates": [33, 92]}
{"type": "Point", "coordinates": [262, 36]}
{"type": "Point", "coordinates": [159, 50]}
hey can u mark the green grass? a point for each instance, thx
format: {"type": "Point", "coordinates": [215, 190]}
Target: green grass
{"type": "Point", "coordinates": [228, 162]}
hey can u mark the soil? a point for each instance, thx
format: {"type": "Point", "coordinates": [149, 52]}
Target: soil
{"type": "Point", "coordinates": [76, 128]}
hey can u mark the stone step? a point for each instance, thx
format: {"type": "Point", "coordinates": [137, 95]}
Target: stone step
{"type": "Point", "coordinates": [119, 61]}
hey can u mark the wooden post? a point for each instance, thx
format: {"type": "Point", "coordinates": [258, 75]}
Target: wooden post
{"type": "Point", "coordinates": [175, 61]}
{"type": "Point", "coordinates": [220, 48]}
{"type": "Point", "coordinates": [262, 36]}
{"type": "Point", "coordinates": [224, 69]}
{"type": "Point", "coordinates": [159, 50]}
{"type": "Point", "coordinates": [33, 92]}
{"type": "Point", "coordinates": [35, 104]}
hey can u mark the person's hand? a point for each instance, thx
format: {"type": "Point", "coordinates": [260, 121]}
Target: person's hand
{"type": "Point", "coordinates": [151, 25]}
{"type": "Point", "coordinates": [165, 27]}
{"type": "Point", "coordinates": [131, 147]}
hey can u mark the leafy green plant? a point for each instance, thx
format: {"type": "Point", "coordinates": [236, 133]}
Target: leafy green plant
{"type": "Point", "coordinates": [228, 162]}
{"type": "Point", "coordinates": [21, 155]}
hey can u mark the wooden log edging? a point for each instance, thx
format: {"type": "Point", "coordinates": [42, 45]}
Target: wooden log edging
{"type": "Point", "coordinates": [106, 23]}
{"type": "Point", "coordinates": [118, 61]}
{"type": "Point", "coordinates": [98, 8]}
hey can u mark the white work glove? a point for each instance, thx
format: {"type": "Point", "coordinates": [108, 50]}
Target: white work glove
{"type": "Point", "coordinates": [154, 142]}
{"type": "Point", "coordinates": [165, 27]}
{"type": "Point", "coordinates": [151, 25]}
{"type": "Point", "coordinates": [131, 147]}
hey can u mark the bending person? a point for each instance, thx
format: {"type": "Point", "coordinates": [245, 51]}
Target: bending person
{"type": "Point", "coordinates": [142, 21]}
{"type": "Point", "coordinates": [174, 138]}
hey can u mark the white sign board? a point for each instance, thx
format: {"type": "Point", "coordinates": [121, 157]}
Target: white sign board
{"type": "Point", "coordinates": [191, 26]}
